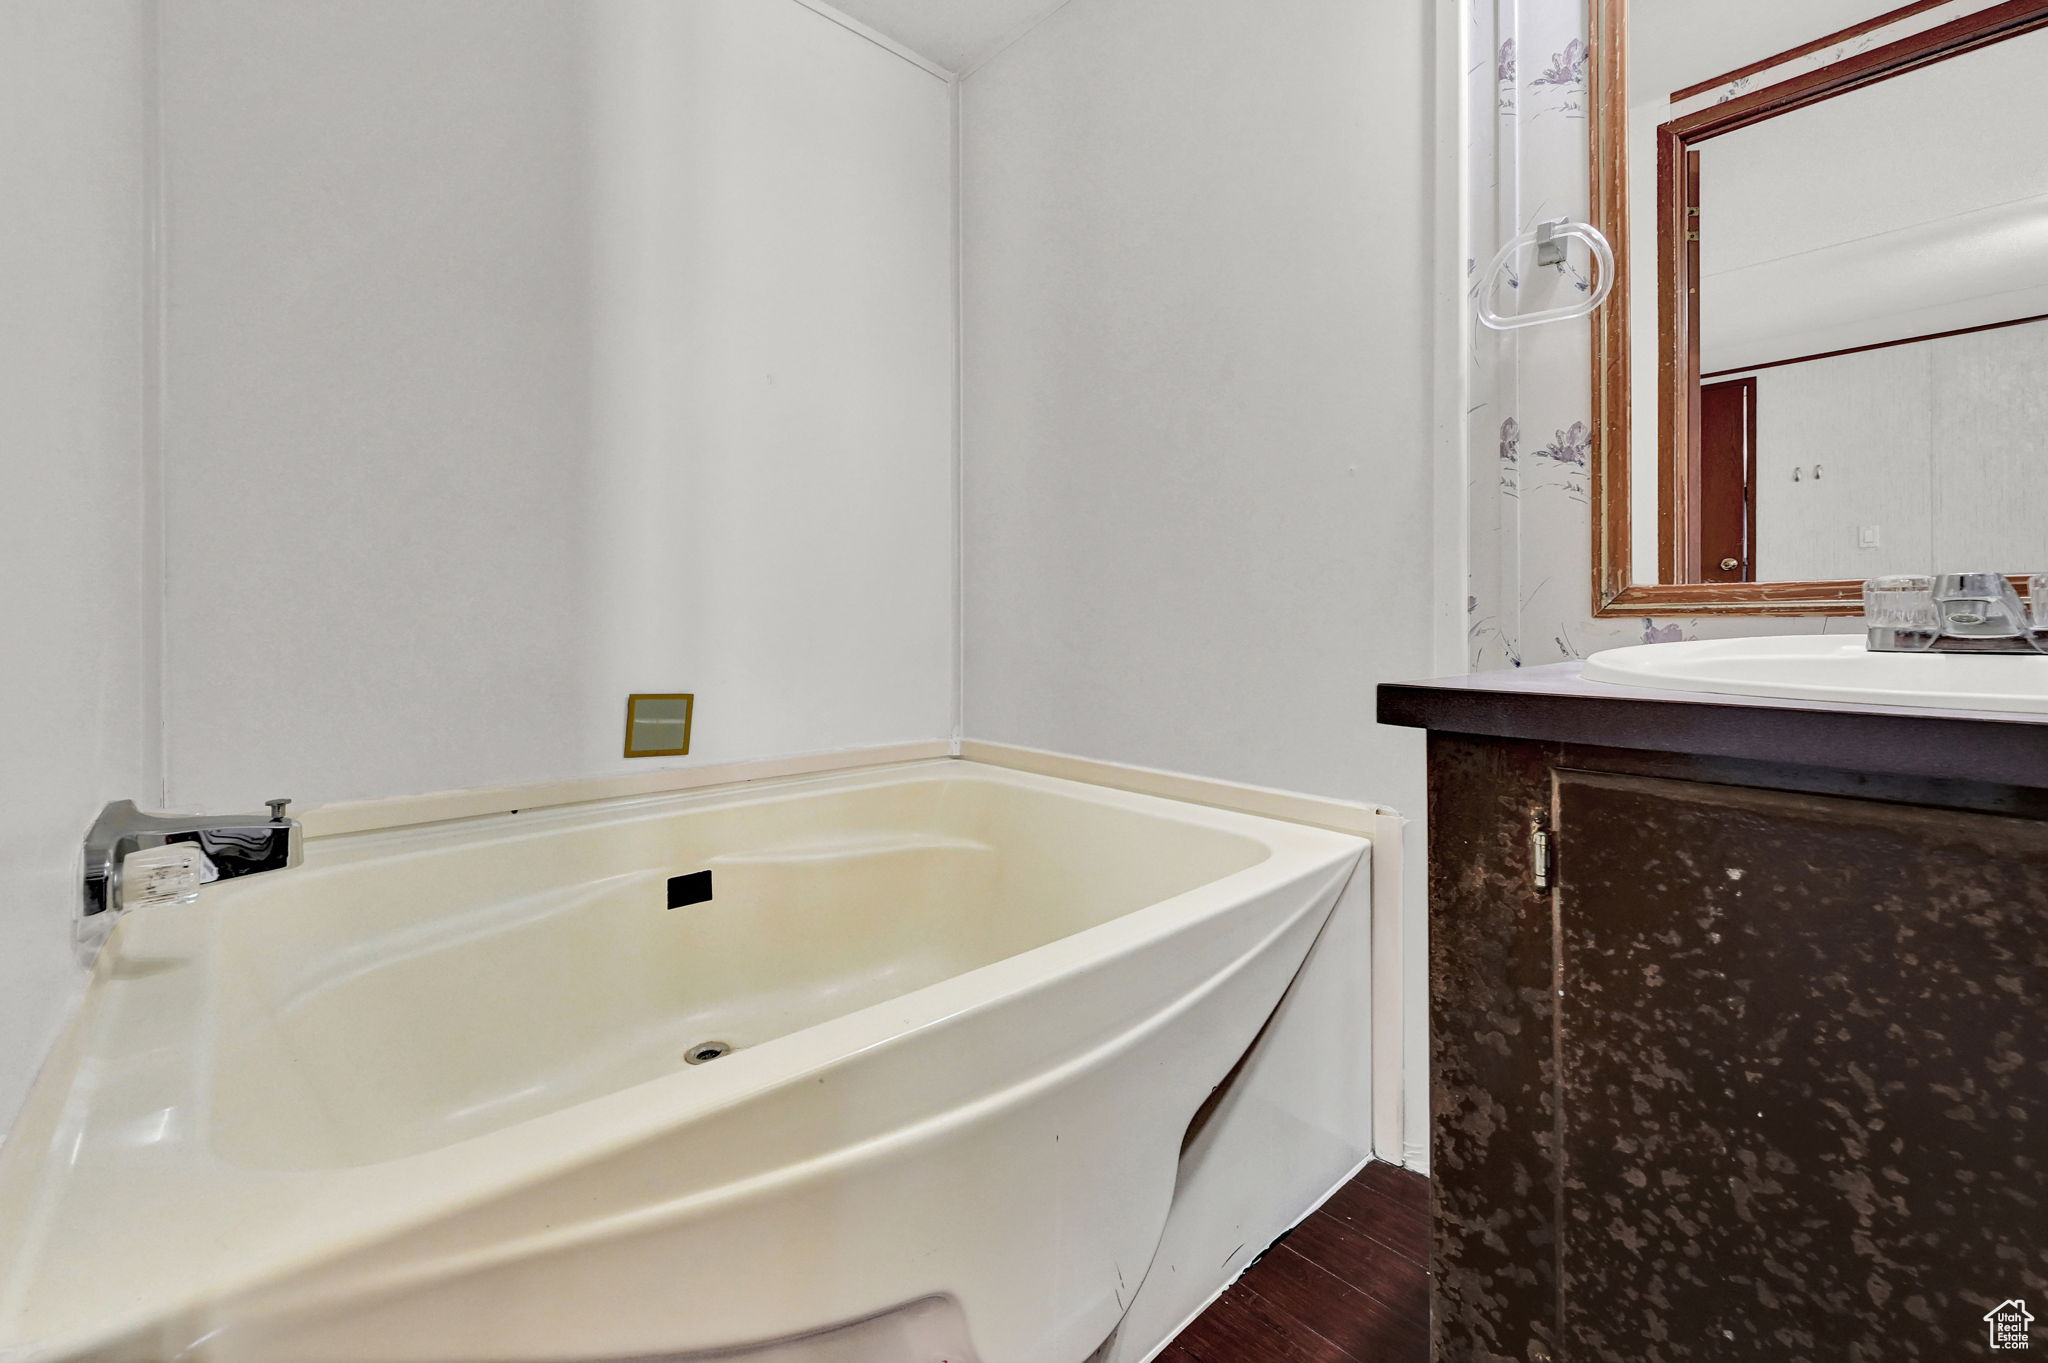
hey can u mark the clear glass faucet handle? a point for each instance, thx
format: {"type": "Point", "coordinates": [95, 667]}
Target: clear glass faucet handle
{"type": "Point", "coordinates": [1905, 602]}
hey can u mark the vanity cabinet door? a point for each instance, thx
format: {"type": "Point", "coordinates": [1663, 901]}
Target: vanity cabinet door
{"type": "Point", "coordinates": [1801, 1073]}
{"type": "Point", "coordinates": [1493, 1180]}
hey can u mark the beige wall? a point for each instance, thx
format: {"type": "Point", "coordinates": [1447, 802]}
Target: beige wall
{"type": "Point", "coordinates": [1197, 385]}
{"type": "Point", "coordinates": [76, 727]}
{"type": "Point", "coordinates": [526, 355]}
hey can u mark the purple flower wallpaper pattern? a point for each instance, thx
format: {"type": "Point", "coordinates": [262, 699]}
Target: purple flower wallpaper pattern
{"type": "Point", "coordinates": [1573, 447]}
{"type": "Point", "coordinates": [1654, 633]}
{"type": "Point", "coordinates": [1567, 67]}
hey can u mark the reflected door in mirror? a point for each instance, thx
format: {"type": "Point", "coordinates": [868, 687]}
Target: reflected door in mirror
{"type": "Point", "coordinates": [1727, 473]}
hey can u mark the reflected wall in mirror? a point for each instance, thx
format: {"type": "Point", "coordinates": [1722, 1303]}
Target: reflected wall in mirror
{"type": "Point", "coordinates": [1828, 356]}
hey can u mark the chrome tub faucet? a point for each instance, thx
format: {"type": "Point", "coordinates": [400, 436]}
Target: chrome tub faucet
{"type": "Point", "coordinates": [178, 853]}
{"type": "Point", "coordinates": [1956, 613]}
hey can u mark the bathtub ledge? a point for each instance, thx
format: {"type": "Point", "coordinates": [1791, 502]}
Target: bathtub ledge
{"type": "Point", "coordinates": [405, 811]}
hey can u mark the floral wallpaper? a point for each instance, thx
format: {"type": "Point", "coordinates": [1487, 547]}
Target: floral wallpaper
{"type": "Point", "coordinates": [1530, 395]}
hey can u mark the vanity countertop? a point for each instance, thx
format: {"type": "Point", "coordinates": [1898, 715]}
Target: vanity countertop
{"type": "Point", "coordinates": [1555, 704]}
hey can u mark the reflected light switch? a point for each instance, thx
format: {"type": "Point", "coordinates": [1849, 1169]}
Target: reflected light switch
{"type": "Point", "coordinates": [1866, 537]}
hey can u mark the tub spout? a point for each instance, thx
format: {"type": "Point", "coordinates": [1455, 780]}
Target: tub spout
{"type": "Point", "coordinates": [227, 846]}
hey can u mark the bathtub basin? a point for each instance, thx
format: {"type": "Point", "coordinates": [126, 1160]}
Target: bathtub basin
{"type": "Point", "coordinates": [431, 1099]}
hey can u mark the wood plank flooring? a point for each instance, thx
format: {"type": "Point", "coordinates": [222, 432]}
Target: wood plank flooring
{"type": "Point", "coordinates": [1348, 1285]}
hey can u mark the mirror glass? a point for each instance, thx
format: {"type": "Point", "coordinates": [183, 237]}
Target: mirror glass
{"type": "Point", "coordinates": [1838, 312]}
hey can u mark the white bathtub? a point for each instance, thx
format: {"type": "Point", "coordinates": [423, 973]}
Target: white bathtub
{"type": "Point", "coordinates": [425, 1099]}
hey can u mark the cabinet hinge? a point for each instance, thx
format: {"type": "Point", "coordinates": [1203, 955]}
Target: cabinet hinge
{"type": "Point", "coordinates": [1540, 840]}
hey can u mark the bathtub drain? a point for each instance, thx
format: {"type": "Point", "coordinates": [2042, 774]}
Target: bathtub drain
{"type": "Point", "coordinates": [707, 1050]}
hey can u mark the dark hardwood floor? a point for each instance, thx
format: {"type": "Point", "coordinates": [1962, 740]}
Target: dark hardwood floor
{"type": "Point", "coordinates": [1348, 1285]}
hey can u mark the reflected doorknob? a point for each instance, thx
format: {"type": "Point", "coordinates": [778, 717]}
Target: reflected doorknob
{"type": "Point", "coordinates": [1729, 565]}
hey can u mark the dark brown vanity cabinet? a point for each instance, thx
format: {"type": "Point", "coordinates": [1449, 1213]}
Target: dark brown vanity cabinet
{"type": "Point", "coordinates": [1735, 1057]}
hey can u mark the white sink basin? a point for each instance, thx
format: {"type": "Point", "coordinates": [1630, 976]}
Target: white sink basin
{"type": "Point", "coordinates": [1830, 668]}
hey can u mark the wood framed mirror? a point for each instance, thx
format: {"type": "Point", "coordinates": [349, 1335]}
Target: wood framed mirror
{"type": "Point", "coordinates": [1825, 358]}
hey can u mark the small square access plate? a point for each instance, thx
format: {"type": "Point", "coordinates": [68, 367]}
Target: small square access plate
{"type": "Point", "coordinates": [658, 724]}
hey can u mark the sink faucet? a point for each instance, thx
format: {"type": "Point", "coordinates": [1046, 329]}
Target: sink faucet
{"type": "Point", "coordinates": [1955, 613]}
{"type": "Point", "coordinates": [225, 846]}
